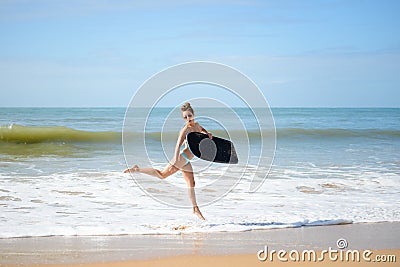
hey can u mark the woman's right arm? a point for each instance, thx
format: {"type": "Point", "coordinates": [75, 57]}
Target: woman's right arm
{"type": "Point", "coordinates": [179, 142]}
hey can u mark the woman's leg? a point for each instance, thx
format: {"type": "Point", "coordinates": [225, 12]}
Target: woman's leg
{"type": "Point", "coordinates": [167, 171]}
{"type": "Point", "coordinates": [187, 172]}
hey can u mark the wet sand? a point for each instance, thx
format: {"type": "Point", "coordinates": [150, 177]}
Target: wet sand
{"type": "Point", "coordinates": [203, 249]}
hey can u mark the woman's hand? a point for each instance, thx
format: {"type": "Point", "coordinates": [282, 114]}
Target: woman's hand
{"type": "Point", "coordinates": [209, 135]}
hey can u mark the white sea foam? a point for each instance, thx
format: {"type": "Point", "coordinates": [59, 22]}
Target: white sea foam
{"type": "Point", "coordinates": [109, 203]}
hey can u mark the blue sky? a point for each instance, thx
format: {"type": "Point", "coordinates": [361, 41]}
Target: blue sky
{"type": "Point", "coordinates": [328, 53]}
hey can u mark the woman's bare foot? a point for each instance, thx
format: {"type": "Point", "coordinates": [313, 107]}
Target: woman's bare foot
{"type": "Point", "coordinates": [133, 169]}
{"type": "Point", "coordinates": [197, 211]}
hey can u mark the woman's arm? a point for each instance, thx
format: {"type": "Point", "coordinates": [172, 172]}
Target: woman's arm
{"type": "Point", "coordinates": [179, 142]}
{"type": "Point", "coordinates": [205, 132]}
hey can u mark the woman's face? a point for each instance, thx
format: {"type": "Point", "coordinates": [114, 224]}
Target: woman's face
{"type": "Point", "coordinates": [188, 116]}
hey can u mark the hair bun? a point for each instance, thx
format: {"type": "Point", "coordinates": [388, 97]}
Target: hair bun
{"type": "Point", "coordinates": [187, 106]}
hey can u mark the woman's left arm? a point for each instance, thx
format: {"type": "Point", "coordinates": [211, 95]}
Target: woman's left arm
{"type": "Point", "coordinates": [206, 132]}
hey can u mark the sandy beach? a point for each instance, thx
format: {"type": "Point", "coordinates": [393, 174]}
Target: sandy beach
{"type": "Point", "coordinates": [211, 249]}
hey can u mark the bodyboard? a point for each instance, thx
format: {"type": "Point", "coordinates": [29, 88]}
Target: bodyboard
{"type": "Point", "coordinates": [216, 149]}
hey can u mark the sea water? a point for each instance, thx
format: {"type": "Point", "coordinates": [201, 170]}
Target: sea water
{"type": "Point", "coordinates": [61, 174]}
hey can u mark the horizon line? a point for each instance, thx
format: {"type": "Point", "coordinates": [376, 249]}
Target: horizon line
{"type": "Point", "coordinates": [389, 107]}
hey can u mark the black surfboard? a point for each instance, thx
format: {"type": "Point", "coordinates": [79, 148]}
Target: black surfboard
{"type": "Point", "coordinates": [215, 149]}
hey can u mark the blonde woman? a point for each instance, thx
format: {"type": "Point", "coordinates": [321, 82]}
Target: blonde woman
{"type": "Point", "coordinates": [181, 159]}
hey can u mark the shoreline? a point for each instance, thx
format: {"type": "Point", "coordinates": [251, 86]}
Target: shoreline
{"type": "Point", "coordinates": [67, 250]}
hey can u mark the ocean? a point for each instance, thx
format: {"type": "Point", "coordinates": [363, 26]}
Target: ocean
{"type": "Point", "coordinates": [61, 172]}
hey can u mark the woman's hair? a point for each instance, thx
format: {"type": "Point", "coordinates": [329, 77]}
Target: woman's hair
{"type": "Point", "coordinates": [186, 107]}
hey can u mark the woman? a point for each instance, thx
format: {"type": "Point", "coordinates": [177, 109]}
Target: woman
{"type": "Point", "coordinates": [181, 159]}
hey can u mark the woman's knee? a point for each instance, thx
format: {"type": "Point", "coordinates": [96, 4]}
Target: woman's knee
{"type": "Point", "coordinates": [191, 183]}
{"type": "Point", "coordinates": [162, 174]}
